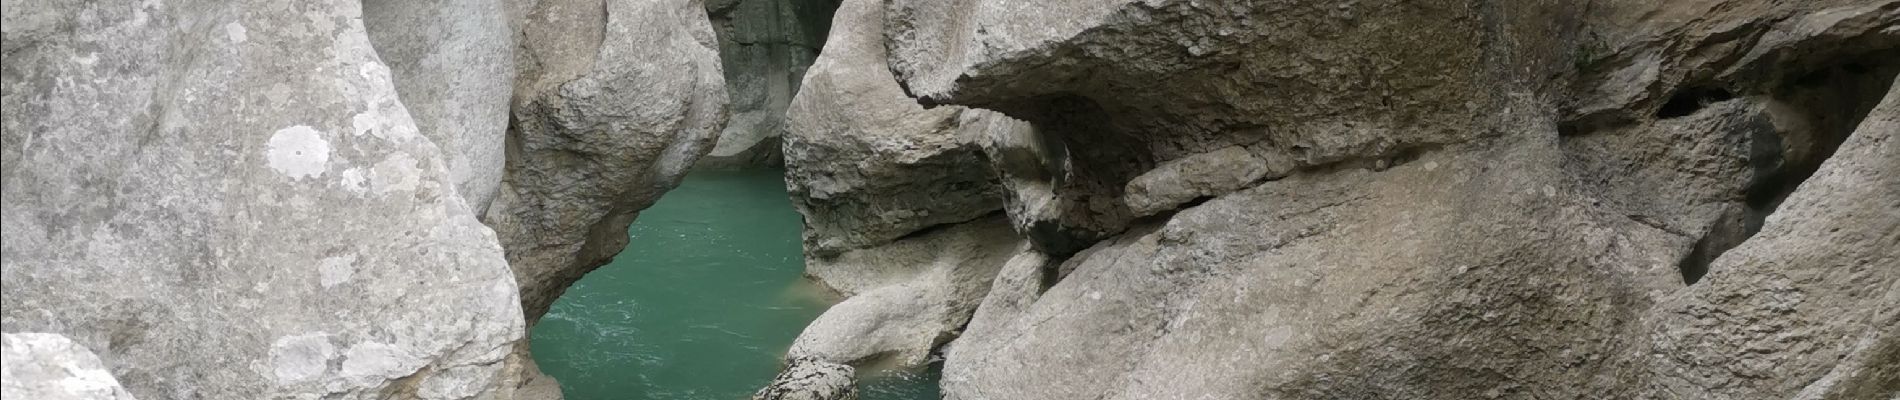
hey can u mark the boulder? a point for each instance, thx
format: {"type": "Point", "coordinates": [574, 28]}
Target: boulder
{"type": "Point", "coordinates": [809, 379]}
{"type": "Point", "coordinates": [190, 183]}
{"type": "Point", "coordinates": [48, 366]}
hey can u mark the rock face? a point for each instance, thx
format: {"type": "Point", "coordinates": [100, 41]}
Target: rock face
{"type": "Point", "coordinates": [907, 297]}
{"type": "Point", "coordinates": [1441, 199]}
{"type": "Point", "coordinates": [867, 166]}
{"type": "Point", "coordinates": [202, 175]}
{"type": "Point", "coordinates": [454, 68]}
{"type": "Point", "coordinates": [48, 366]}
{"type": "Point", "coordinates": [765, 47]}
{"type": "Point", "coordinates": [1807, 308]}
{"type": "Point", "coordinates": [612, 106]}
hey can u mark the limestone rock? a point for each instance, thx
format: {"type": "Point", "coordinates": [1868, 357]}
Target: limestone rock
{"type": "Point", "coordinates": [187, 181]}
{"type": "Point", "coordinates": [865, 165]}
{"type": "Point", "coordinates": [611, 107]}
{"type": "Point", "coordinates": [907, 297]}
{"type": "Point", "coordinates": [1430, 200]}
{"type": "Point", "coordinates": [1201, 175]}
{"type": "Point", "coordinates": [1116, 88]}
{"type": "Point", "coordinates": [765, 47]}
{"type": "Point", "coordinates": [454, 67]}
{"type": "Point", "coordinates": [47, 366]}
{"type": "Point", "coordinates": [1807, 308]}
{"type": "Point", "coordinates": [810, 379]}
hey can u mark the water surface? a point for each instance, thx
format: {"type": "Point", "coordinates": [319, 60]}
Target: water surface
{"type": "Point", "coordinates": [700, 306]}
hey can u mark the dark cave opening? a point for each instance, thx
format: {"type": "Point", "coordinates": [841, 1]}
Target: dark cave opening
{"type": "Point", "coordinates": [1687, 101]}
{"type": "Point", "coordinates": [1823, 107]}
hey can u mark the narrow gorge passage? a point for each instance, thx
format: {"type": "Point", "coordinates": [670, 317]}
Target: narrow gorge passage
{"type": "Point", "coordinates": [701, 305]}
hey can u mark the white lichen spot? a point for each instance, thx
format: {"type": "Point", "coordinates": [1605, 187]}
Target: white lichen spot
{"type": "Point", "coordinates": [298, 358]}
{"type": "Point", "coordinates": [298, 152]}
{"type": "Point", "coordinates": [355, 181]}
{"type": "Point", "coordinates": [396, 173]}
{"type": "Point", "coordinates": [236, 32]}
{"type": "Point", "coordinates": [364, 124]}
{"type": "Point", "coordinates": [334, 271]}
{"type": "Point", "coordinates": [372, 359]}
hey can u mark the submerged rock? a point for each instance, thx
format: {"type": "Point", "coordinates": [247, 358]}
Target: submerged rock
{"type": "Point", "coordinates": [227, 200]}
{"type": "Point", "coordinates": [45, 366]}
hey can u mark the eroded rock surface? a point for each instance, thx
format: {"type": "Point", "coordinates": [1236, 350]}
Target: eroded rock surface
{"type": "Point", "coordinates": [48, 366]}
{"type": "Point", "coordinates": [1457, 199]}
{"type": "Point", "coordinates": [612, 106]}
{"type": "Point", "coordinates": [188, 182]}
{"type": "Point", "coordinates": [867, 166]}
{"type": "Point", "coordinates": [901, 205]}
{"type": "Point", "coordinates": [1807, 308]}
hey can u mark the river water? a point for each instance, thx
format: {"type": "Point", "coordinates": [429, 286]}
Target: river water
{"type": "Point", "coordinates": [700, 306]}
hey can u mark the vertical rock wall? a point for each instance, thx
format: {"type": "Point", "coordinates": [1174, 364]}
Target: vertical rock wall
{"type": "Point", "coordinates": [765, 46]}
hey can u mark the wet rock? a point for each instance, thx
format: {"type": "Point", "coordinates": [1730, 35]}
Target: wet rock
{"type": "Point", "coordinates": [187, 181]}
{"type": "Point", "coordinates": [809, 379]}
{"type": "Point", "coordinates": [50, 367]}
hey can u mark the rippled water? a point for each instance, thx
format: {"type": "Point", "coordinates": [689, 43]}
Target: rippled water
{"type": "Point", "coordinates": [701, 305]}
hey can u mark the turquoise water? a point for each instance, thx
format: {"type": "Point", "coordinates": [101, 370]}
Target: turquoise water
{"type": "Point", "coordinates": [700, 306]}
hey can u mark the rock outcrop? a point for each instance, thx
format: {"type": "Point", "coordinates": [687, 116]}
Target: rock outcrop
{"type": "Point", "coordinates": [1447, 199]}
{"type": "Point", "coordinates": [1807, 308]}
{"type": "Point", "coordinates": [864, 164]}
{"type": "Point", "coordinates": [188, 182]}
{"type": "Point", "coordinates": [612, 106]}
{"type": "Point", "coordinates": [45, 366]}
{"type": "Point", "coordinates": [765, 47]}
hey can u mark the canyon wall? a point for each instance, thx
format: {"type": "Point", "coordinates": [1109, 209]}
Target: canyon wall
{"type": "Point", "coordinates": [765, 47]}
{"type": "Point", "coordinates": [1442, 199]}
